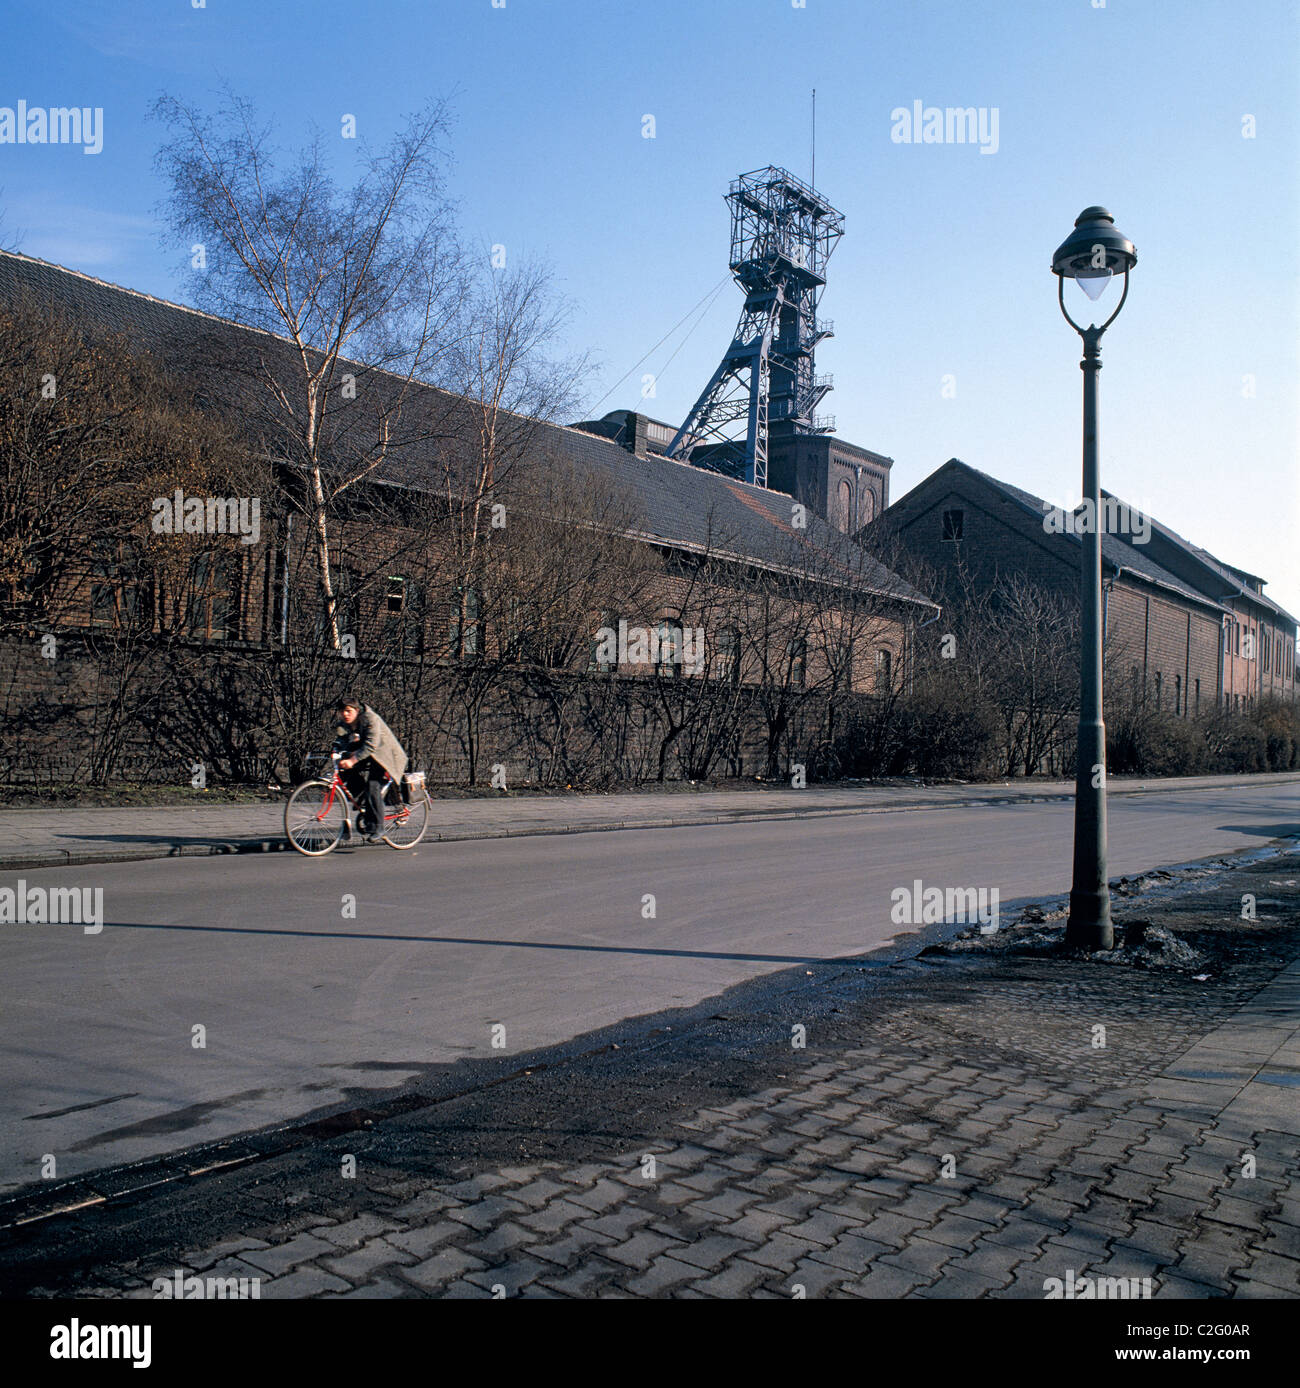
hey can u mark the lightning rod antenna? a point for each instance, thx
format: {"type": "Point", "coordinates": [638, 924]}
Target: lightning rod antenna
{"type": "Point", "coordinates": [813, 180]}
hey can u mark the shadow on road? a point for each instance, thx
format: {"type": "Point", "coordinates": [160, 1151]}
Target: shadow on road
{"type": "Point", "coordinates": [1264, 831]}
{"type": "Point", "coordinates": [472, 940]}
{"type": "Point", "coordinates": [175, 841]}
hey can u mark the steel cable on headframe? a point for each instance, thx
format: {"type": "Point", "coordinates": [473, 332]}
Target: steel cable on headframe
{"type": "Point", "coordinates": [700, 304]}
{"type": "Point", "coordinates": [690, 332]}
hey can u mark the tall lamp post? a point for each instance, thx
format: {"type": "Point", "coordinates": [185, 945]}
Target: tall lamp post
{"type": "Point", "coordinates": [1093, 253]}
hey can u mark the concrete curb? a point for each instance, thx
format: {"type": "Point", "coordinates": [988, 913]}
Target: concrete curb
{"type": "Point", "coordinates": [35, 858]}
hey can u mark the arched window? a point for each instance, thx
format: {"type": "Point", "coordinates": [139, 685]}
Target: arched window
{"type": "Point", "coordinates": [868, 506]}
{"type": "Point", "coordinates": [844, 505]}
{"type": "Point", "coordinates": [884, 670]}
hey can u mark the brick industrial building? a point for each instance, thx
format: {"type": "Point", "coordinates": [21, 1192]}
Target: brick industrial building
{"type": "Point", "coordinates": [1192, 632]}
{"type": "Point", "coordinates": [237, 598]}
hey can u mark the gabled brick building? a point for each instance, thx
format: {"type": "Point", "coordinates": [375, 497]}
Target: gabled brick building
{"type": "Point", "coordinates": [1257, 656]}
{"type": "Point", "coordinates": [238, 596]}
{"type": "Point", "coordinates": [1176, 617]}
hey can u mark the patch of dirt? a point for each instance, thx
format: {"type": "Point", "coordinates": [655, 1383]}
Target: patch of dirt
{"type": "Point", "coordinates": [78, 796]}
{"type": "Point", "coordinates": [1196, 920]}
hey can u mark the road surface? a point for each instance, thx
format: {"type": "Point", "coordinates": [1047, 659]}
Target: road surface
{"type": "Point", "coordinates": [306, 1000]}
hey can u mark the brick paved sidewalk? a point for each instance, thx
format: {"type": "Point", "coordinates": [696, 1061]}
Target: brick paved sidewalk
{"type": "Point", "coordinates": [61, 837]}
{"type": "Point", "coordinates": [962, 1131]}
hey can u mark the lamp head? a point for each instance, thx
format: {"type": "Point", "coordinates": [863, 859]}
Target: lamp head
{"type": "Point", "coordinates": [1094, 251]}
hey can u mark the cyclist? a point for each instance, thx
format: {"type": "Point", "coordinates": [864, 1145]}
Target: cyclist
{"type": "Point", "coordinates": [372, 750]}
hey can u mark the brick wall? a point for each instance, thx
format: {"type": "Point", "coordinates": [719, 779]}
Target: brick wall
{"type": "Point", "coordinates": [171, 707]}
{"type": "Point", "coordinates": [1148, 627]}
{"type": "Point", "coordinates": [1258, 655]}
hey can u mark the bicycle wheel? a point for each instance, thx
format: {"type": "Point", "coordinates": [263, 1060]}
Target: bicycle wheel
{"type": "Point", "coordinates": [404, 825]}
{"type": "Point", "coordinates": [314, 818]}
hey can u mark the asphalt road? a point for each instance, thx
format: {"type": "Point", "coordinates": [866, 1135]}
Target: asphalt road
{"type": "Point", "coordinates": [305, 1006]}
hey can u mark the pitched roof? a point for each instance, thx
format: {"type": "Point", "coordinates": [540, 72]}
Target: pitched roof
{"type": "Point", "coordinates": [1229, 579]}
{"type": "Point", "coordinates": [680, 506]}
{"type": "Point", "coordinates": [691, 508]}
{"type": "Point", "coordinates": [1116, 552]}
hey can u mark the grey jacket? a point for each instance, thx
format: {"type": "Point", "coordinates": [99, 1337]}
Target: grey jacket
{"type": "Point", "coordinates": [370, 736]}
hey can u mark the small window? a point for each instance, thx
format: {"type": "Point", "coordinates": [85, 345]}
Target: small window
{"type": "Point", "coordinates": [212, 589]}
{"type": "Point", "coordinates": [954, 524]}
{"type": "Point", "coordinates": [1158, 682]}
{"type": "Point", "coordinates": [1178, 694]}
{"type": "Point", "coordinates": [797, 653]}
{"type": "Point", "coordinates": [669, 649]}
{"type": "Point", "coordinates": [463, 639]}
{"type": "Point", "coordinates": [726, 656]}
{"type": "Point", "coordinates": [1198, 697]}
{"type": "Point", "coordinates": [884, 671]}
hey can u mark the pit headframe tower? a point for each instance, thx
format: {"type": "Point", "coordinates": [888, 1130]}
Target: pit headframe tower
{"type": "Point", "coordinates": [766, 386]}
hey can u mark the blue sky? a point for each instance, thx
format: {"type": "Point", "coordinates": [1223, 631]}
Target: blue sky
{"type": "Point", "coordinates": [942, 272]}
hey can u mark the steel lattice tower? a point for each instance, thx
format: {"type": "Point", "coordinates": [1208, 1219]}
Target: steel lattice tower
{"type": "Point", "coordinates": [782, 235]}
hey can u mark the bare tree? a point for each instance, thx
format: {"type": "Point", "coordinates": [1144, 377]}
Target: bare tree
{"type": "Point", "coordinates": [363, 286]}
{"type": "Point", "coordinates": [507, 387]}
{"type": "Point", "coordinates": [1009, 647]}
{"type": "Point", "coordinates": [698, 711]}
{"type": "Point", "coordinates": [93, 435]}
{"type": "Point", "coordinates": [524, 595]}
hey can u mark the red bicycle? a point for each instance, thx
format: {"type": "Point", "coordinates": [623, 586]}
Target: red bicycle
{"type": "Point", "coordinates": [320, 812]}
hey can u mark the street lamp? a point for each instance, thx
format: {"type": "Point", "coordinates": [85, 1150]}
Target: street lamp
{"type": "Point", "coordinates": [1092, 254]}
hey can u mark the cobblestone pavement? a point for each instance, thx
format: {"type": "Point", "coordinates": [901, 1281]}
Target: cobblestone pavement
{"type": "Point", "coordinates": [32, 838]}
{"type": "Point", "coordinates": [961, 1130]}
